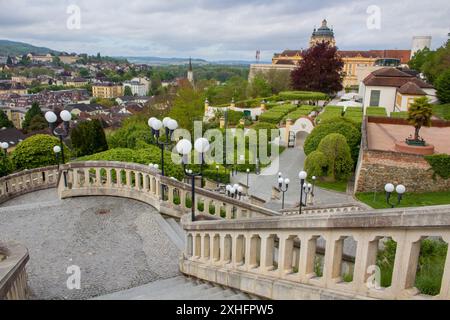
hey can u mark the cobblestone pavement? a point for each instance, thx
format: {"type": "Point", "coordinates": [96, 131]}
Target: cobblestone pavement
{"type": "Point", "coordinates": [119, 248]}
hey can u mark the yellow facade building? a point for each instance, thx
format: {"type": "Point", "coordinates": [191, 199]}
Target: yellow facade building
{"type": "Point", "coordinates": [355, 61]}
{"type": "Point", "coordinates": [107, 90]}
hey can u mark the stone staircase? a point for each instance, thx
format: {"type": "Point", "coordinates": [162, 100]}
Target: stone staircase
{"type": "Point", "coordinates": [173, 230]}
{"type": "Point", "coordinates": [178, 288]}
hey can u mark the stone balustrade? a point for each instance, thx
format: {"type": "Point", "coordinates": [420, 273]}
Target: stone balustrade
{"type": "Point", "coordinates": [144, 183]}
{"type": "Point", "coordinates": [13, 277]}
{"type": "Point", "coordinates": [274, 257]}
{"type": "Point", "coordinates": [27, 181]}
{"type": "Point", "coordinates": [325, 209]}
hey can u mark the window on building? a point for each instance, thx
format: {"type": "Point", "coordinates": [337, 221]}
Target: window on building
{"type": "Point", "coordinates": [375, 98]}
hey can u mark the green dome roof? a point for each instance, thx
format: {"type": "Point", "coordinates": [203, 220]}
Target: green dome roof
{"type": "Point", "coordinates": [323, 31]}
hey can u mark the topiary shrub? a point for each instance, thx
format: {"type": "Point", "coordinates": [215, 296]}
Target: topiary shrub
{"type": "Point", "coordinates": [316, 164]}
{"type": "Point", "coordinates": [336, 125]}
{"type": "Point", "coordinates": [337, 152]}
{"type": "Point", "coordinates": [36, 151]}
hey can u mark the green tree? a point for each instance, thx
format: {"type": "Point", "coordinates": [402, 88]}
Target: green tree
{"type": "Point", "coordinates": [336, 150]}
{"type": "Point", "coordinates": [259, 87]}
{"type": "Point", "coordinates": [37, 123]}
{"type": "Point", "coordinates": [316, 164]}
{"type": "Point", "coordinates": [437, 62]}
{"type": "Point", "coordinates": [419, 114]}
{"type": "Point", "coordinates": [4, 121]}
{"type": "Point", "coordinates": [127, 91]}
{"type": "Point", "coordinates": [188, 107]}
{"type": "Point", "coordinates": [419, 58]}
{"type": "Point", "coordinates": [36, 151]}
{"type": "Point", "coordinates": [31, 113]}
{"type": "Point", "coordinates": [83, 72]}
{"type": "Point", "coordinates": [442, 85]}
{"type": "Point", "coordinates": [9, 61]}
{"type": "Point", "coordinates": [88, 138]}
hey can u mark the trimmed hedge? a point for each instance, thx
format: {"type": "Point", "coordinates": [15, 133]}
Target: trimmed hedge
{"type": "Point", "coordinates": [303, 95]}
{"type": "Point", "coordinates": [376, 111]}
{"type": "Point", "coordinates": [299, 112]}
{"type": "Point", "coordinates": [276, 114]}
{"type": "Point", "coordinates": [400, 114]}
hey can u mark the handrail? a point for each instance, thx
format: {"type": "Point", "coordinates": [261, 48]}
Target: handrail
{"type": "Point", "coordinates": [280, 252]}
{"type": "Point", "coordinates": [143, 183]}
{"type": "Point", "coordinates": [13, 277]}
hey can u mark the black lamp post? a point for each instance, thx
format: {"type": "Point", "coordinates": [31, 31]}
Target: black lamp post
{"type": "Point", "coordinates": [302, 176]}
{"type": "Point", "coordinates": [217, 176]}
{"type": "Point", "coordinates": [389, 188]}
{"type": "Point", "coordinates": [282, 181]}
{"type": "Point", "coordinates": [184, 148]}
{"type": "Point", "coordinates": [51, 118]}
{"type": "Point", "coordinates": [156, 125]}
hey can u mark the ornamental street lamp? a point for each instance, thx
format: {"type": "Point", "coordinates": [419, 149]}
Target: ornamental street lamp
{"type": "Point", "coordinates": [282, 181]}
{"type": "Point", "coordinates": [302, 176]}
{"type": "Point", "coordinates": [5, 146]}
{"type": "Point", "coordinates": [389, 188]}
{"type": "Point", "coordinates": [156, 125]}
{"type": "Point", "coordinates": [184, 148]}
{"type": "Point", "coordinates": [57, 150]}
{"type": "Point", "coordinates": [248, 173]}
{"type": "Point", "coordinates": [51, 118]}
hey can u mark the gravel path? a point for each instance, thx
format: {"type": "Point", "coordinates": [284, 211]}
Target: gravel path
{"type": "Point", "coordinates": [115, 250]}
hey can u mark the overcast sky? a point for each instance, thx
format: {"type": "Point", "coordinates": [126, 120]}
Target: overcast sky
{"type": "Point", "coordinates": [218, 29]}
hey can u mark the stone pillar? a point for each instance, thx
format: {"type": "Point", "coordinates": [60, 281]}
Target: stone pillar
{"type": "Point", "coordinates": [222, 122]}
{"type": "Point", "coordinates": [263, 105]}
{"type": "Point", "coordinates": [228, 211]}
{"type": "Point", "coordinates": [217, 206]}
{"type": "Point", "coordinates": [146, 182]}
{"type": "Point", "coordinates": [405, 265]}
{"type": "Point", "coordinates": [307, 254]}
{"type": "Point", "coordinates": [242, 122]}
{"type": "Point", "coordinates": [445, 283]}
{"type": "Point", "coordinates": [98, 177]}
{"type": "Point", "coordinates": [170, 195]}
{"type": "Point", "coordinates": [288, 129]}
{"type": "Point", "coordinates": [108, 178]}
{"type": "Point", "coordinates": [183, 199]}
{"type": "Point", "coordinates": [366, 255]}
{"type": "Point", "coordinates": [206, 202]}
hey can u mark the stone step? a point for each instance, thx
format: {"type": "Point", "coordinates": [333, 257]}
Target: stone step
{"type": "Point", "coordinates": [177, 288]}
{"type": "Point", "coordinates": [167, 228]}
{"type": "Point", "coordinates": [177, 228]}
{"type": "Point", "coordinates": [29, 206]}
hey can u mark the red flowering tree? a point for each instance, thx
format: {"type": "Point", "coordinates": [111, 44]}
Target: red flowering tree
{"type": "Point", "coordinates": [319, 70]}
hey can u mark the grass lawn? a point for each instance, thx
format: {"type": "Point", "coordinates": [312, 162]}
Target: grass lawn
{"type": "Point", "coordinates": [409, 199]}
{"type": "Point", "coordinates": [340, 186]}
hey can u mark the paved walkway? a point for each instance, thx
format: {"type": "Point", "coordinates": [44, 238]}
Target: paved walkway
{"type": "Point", "coordinates": [290, 163]}
{"type": "Point", "coordinates": [121, 248]}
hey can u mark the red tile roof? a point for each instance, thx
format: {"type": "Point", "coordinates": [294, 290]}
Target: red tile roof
{"type": "Point", "coordinates": [392, 77]}
{"type": "Point", "coordinates": [412, 89]}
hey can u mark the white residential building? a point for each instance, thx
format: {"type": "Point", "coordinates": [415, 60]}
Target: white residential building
{"type": "Point", "coordinates": [393, 89]}
{"type": "Point", "coordinates": [139, 86]}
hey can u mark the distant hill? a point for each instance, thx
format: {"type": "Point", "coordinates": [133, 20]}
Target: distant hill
{"type": "Point", "coordinates": [158, 61]}
{"type": "Point", "coordinates": [13, 48]}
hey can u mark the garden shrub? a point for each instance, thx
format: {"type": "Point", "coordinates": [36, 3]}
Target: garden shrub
{"type": "Point", "coordinates": [440, 163]}
{"type": "Point", "coordinates": [337, 152]}
{"type": "Point", "coordinates": [36, 151]}
{"type": "Point", "coordinates": [335, 125]}
{"type": "Point", "coordinates": [303, 95]}
{"type": "Point", "coordinates": [149, 154]}
{"type": "Point", "coordinates": [316, 164]}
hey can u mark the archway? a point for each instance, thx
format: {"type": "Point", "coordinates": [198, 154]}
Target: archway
{"type": "Point", "coordinates": [301, 128]}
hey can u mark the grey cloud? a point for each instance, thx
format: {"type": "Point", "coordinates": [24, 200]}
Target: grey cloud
{"type": "Point", "coordinates": [217, 29]}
